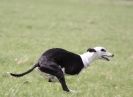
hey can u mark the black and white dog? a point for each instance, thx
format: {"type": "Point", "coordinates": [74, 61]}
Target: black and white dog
{"type": "Point", "coordinates": [57, 62]}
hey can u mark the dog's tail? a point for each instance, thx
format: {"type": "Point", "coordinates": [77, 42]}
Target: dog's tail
{"type": "Point", "coordinates": [24, 73]}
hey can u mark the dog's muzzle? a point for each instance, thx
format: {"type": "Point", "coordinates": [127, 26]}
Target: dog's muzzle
{"type": "Point", "coordinates": [107, 57]}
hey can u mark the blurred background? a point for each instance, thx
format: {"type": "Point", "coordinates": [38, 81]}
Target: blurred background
{"type": "Point", "coordinates": [29, 27]}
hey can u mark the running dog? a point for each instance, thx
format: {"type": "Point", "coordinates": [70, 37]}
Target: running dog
{"type": "Point", "coordinates": [57, 62]}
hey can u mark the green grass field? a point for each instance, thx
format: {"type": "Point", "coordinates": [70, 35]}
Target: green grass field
{"type": "Point", "coordinates": [29, 27]}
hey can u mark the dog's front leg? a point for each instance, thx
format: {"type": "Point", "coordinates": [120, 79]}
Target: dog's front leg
{"type": "Point", "coordinates": [63, 83]}
{"type": "Point", "coordinates": [61, 78]}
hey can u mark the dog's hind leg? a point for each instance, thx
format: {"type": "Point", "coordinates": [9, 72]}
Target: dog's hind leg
{"type": "Point", "coordinates": [53, 69]}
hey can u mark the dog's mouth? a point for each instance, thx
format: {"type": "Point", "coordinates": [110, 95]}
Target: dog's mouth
{"type": "Point", "coordinates": [106, 57]}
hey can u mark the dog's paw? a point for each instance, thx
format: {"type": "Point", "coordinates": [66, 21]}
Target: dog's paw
{"type": "Point", "coordinates": [73, 91]}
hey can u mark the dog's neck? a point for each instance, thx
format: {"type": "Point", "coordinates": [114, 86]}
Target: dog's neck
{"type": "Point", "coordinates": [88, 58]}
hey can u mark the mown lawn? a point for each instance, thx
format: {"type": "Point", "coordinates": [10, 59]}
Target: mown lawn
{"type": "Point", "coordinates": [29, 27]}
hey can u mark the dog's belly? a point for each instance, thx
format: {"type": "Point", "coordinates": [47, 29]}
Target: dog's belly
{"type": "Point", "coordinates": [47, 76]}
{"type": "Point", "coordinates": [72, 71]}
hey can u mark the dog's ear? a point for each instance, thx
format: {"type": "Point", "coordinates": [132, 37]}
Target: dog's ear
{"type": "Point", "coordinates": [91, 50]}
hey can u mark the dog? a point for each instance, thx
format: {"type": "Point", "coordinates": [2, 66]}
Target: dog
{"type": "Point", "coordinates": [58, 62]}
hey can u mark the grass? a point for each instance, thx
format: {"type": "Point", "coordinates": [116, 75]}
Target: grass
{"type": "Point", "coordinates": [29, 27]}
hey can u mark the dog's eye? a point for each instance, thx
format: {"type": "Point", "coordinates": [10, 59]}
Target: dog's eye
{"type": "Point", "coordinates": [103, 50]}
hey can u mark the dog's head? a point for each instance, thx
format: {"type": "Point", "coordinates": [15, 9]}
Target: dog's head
{"type": "Point", "coordinates": [101, 53]}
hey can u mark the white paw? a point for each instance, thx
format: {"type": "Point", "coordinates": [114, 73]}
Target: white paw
{"type": "Point", "coordinates": [73, 91]}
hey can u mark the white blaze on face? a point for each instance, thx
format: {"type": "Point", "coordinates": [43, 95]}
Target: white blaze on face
{"type": "Point", "coordinates": [102, 53]}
